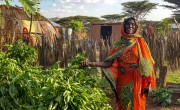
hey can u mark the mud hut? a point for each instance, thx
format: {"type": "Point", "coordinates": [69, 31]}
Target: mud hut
{"type": "Point", "coordinates": [15, 25]}
{"type": "Point", "coordinates": [106, 31]}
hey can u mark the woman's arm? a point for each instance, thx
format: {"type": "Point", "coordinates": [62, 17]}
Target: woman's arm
{"type": "Point", "coordinates": [96, 64]}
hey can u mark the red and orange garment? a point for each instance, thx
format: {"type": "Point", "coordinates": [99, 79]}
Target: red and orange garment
{"type": "Point", "coordinates": [133, 69]}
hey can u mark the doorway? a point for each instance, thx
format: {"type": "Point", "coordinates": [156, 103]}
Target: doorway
{"type": "Point", "coordinates": [106, 32]}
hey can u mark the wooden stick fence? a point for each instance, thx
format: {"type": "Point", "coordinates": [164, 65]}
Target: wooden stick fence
{"type": "Point", "coordinates": [165, 49]}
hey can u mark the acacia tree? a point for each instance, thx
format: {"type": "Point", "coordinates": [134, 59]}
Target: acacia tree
{"type": "Point", "coordinates": [113, 17]}
{"type": "Point", "coordinates": [86, 20]}
{"type": "Point", "coordinates": [138, 9]}
{"type": "Point", "coordinates": [175, 7]}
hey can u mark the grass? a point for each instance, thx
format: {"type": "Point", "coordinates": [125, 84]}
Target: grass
{"type": "Point", "coordinates": [173, 77]}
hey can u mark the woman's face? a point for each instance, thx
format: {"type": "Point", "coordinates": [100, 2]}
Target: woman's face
{"type": "Point", "coordinates": [130, 26]}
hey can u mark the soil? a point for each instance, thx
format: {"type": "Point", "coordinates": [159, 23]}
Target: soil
{"type": "Point", "coordinates": [150, 105]}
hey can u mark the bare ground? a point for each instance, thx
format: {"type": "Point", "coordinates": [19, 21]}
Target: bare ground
{"type": "Point", "coordinates": [150, 105]}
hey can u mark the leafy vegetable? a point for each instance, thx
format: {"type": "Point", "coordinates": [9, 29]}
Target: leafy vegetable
{"type": "Point", "coordinates": [27, 87]}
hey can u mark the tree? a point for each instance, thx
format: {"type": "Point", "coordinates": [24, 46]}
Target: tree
{"type": "Point", "coordinates": [77, 29]}
{"type": "Point", "coordinates": [86, 20]}
{"type": "Point", "coordinates": [175, 7]}
{"type": "Point", "coordinates": [176, 10]}
{"type": "Point", "coordinates": [138, 9]}
{"type": "Point", "coordinates": [75, 25]}
{"type": "Point", "coordinates": [163, 27]}
{"type": "Point", "coordinates": [175, 18]}
{"type": "Point", "coordinates": [113, 17]}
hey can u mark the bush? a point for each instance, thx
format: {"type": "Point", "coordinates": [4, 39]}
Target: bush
{"type": "Point", "coordinates": [75, 25]}
{"type": "Point", "coordinates": [162, 96]}
{"type": "Point", "coordinates": [178, 101]}
{"type": "Point", "coordinates": [27, 87]}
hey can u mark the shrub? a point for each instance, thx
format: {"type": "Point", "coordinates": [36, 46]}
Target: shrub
{"type": "Point", "coordinates": [178, 101]}
{"type": "Point", "coordinates": [27, 87]}
{"type": "Point", "coordinates": [75, 25]}
{"type": "Point", "coordinates": [162, 96]}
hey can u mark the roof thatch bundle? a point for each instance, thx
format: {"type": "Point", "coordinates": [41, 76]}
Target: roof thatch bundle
{"type": "Point", "coordinates": [43, 36]}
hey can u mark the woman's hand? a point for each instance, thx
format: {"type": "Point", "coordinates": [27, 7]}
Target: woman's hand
{"type": "Point", "coordinates": [87, 63]}
{"type": "Point", "coordinates": [96, 64]}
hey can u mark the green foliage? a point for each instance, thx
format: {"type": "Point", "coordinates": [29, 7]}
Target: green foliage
{"type": "Point", "coordinates": [174, 19]}
{"type": "Point", "coordinates": [27, 87]}
{"type": "Point", "coordinates": [84, 19]}
{"type": "Point", "coordinates": [113, 17]}
{"type": "Point", "coordinates": [138, 9]}
{"type": "Point", "coordinates": [178, 101]}
{"type": "Point", "coordinates": [19, 83]}
{"type": "Point", "coordinates": [104, 85]}
{"type": "Point", "coordinates": [22, 53]}
{"type": "Point", "coordinates": [175, 7]}
{"type": "Point", "coordinates": [162, 96]}
{"type": "Point", "coordinates": [163, 27]}
{"type": "Point", "coordinates": [78, 58]}
{"type": "Point", "coordinates": [29, 6]}
{"type": "Point", "coordinates": [75, 25]}
{"type": "Point", "coordinates": [7, 3]}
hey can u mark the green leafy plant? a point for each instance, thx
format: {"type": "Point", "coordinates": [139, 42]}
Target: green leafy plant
{"type": "Point", "coordinates": [162, 96]}
{"type": "Point", "coordinates": [22, 53]}
{"type": "Point", "coordinates": [178, 101]}
{"type": "Point", "coordinates": [27, 87]}
{"type": "Point", "coordinates": [75, 25]}
{"type": "Point", "coordinates": [163, 27]}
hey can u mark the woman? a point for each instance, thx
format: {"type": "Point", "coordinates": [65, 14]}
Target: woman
{"type": "Point", "coordinates": [130, 62]}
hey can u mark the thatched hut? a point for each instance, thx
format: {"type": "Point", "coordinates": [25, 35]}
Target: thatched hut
{"type": "Point", "coordinates": [15, 24]}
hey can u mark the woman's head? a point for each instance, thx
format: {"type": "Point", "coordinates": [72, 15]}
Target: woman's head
{"type": "Point", "coordinates": [130, 25]}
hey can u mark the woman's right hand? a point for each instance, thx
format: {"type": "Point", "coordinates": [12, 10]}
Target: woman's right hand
{"type": "Point", "coordinates": [86, 63]}
{"type": "Point", "coordinates": [96, 64]}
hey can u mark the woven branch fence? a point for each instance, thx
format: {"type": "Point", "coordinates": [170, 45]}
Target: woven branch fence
{"type": "Point", "coordinates": [165, 49]}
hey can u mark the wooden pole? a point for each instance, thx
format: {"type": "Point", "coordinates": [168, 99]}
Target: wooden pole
{"type": "Point", "coordinates": [30, 28]}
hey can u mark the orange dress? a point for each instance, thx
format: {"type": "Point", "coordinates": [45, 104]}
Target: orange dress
{"type": "Point", "coordinates": [133, 70]}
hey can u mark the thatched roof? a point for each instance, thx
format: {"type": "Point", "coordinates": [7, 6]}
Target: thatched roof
{"type": "Point", "coordinates": [15, 12]}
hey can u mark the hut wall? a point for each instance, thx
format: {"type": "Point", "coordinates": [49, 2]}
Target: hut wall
{"type": "Point", "coordinates": [96, 31]}
{"type": "Point", "coordinates": [116, 31]}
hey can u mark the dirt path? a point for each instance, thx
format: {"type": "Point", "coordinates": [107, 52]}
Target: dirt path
{"type": "Point", "coordinates": [150, 105]}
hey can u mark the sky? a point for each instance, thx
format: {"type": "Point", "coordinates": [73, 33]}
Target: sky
{"type": "Point", "coordinates": [96, 8]}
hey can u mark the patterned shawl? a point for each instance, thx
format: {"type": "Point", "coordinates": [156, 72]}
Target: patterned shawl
{"type": "Point", "coordinates": [145, 61]}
